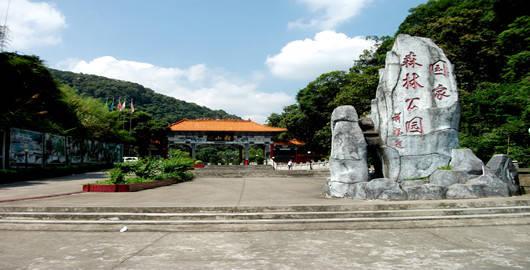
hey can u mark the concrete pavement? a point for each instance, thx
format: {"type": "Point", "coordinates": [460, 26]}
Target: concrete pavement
{"type": "Point", "coordinates": [199, 192]}
{"type": "Point", "coordinates": [499, 247]}
{"type": "Point", "coordinates": [47, 187]}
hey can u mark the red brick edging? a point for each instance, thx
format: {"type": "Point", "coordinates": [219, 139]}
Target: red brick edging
{"type": "Point", "coordinates": [126, 187]}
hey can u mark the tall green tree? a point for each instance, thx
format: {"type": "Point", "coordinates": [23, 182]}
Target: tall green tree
{"type": "Point", "coordinates": [30, 96]}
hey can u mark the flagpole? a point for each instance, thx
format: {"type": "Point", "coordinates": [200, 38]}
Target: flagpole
{"type": "Point", "coordinates": [130, 116]}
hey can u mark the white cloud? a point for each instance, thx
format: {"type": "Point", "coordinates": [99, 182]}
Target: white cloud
{"type": "Point", "coordinates": [32, 24]}
{"type": "Point", "coordinates": [308, 58]}
{"type": "Point", "coordinates": [198, 83]}
{"type": "Point", "coordinates": [330, 13]}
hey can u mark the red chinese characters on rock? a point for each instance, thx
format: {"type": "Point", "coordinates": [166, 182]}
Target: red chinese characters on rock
{"type": "Point", "coordinates": [396, 131]}
{"type": "Point", "coordinates": [415, 125]}
{"type": "Point", "coordinates": [398, 144]}
{"type": "Point", "coordinates": [396, 117]}
{"type": "Point", "coordinates": [410, 103]}
{"type": "Point", "coordinates": [410, 60]}
{"type": "Point", "coordinates": [411, 81]}
{"type": "Point", "coordinates": [439, 68]}
{"type": "Point", "coordinates": [440, 92]}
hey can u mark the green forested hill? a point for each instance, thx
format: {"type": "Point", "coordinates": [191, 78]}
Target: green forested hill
{"type": "Point", "coordinates": [161, 107]}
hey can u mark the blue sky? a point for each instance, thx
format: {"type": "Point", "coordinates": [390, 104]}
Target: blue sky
{"type": "Point", "coordinates": [246, 57]}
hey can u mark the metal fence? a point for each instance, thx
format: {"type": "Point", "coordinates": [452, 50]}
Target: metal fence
{"type": "Point", "coordinates": [301, 166]}
{"type": "Point", "coordinates": [25, 148]}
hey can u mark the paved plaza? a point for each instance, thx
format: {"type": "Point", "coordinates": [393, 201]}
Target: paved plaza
{"type": "Point", "coordinates": [477, 247]}
{"type": "Point", "coordinates": [199, 192]}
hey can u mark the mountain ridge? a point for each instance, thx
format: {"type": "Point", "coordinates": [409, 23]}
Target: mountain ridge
{"type": "Point", "coordinates": [165, 108]}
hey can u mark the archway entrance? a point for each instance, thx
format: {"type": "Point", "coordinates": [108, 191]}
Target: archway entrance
{"type": "Point", "coordinates": [228, 133]}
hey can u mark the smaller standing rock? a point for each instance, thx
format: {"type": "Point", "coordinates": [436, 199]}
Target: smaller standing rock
{"type": "Point", "coordinates": [348, 159]}
{"type": "Point", "coordinates": [502, 166]}
{"type": "Point", "coordinates": [464, 160]}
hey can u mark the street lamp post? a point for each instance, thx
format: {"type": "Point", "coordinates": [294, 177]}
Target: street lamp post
{"type": "Point", "coordinates": [310, 160]}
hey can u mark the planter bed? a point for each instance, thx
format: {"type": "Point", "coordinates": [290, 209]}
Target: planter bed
{"type": "Point", "coordinates": [126, 187]}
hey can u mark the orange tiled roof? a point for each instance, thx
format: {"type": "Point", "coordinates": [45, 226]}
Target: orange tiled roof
{"type": "Point", "coordinates": [295, 141]}
{"type": "Point", "coordinates": [229, 125]}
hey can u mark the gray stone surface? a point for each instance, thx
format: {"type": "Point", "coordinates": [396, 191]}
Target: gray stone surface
{"type": "Point", "coordinates": [416, 110]}
{"type": "Point", "coordinates": [425, 192]}
{"type": "Point", "coordinates": [348, 163]}
{"type": "Point", "coordinates": [384, 189]}
{"type": "Point", "coordinates": [447, 177]}
{"type": "Point", "coordinates": [359, 191]}
{"type": "Point", "coordinates": [412, 183]}
{"type": "Point", "coordinates": [502, 166]}
{"type": "Point", "coordinates": [486, 247]}
{"type": "Point", "coordinates": [491, 185]}
{"type": "Point", "coordinates": [464, 160]}
{"type": "Point", "coordinates": [464, 191]}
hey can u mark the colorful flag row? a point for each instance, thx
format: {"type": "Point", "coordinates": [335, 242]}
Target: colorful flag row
{"type": "Point", "coordinates": [122, 104]}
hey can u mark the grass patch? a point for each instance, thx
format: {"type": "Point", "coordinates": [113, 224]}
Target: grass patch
{"type": "Point", "coordinates": [424, 179]}
{"type": "Point", "coordinates": [132, 180]}
{"type": "Point", "coordinates": [445, 168]}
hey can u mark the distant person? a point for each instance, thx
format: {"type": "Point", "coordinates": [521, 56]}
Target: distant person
{"type": "Point", "coordinates": [290, 164]}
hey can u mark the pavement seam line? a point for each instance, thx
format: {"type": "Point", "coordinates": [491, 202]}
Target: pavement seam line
{"type": "Point", "coordinates": [435, 234]}
{"type": "Point", "coordinates": [242, 191]}
{"type": "Point", "coordinates": [141, 250]}
{"type": "Point", "coordinates": [40, 197]}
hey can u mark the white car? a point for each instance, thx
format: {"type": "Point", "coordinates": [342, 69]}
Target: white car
{"type": "Point", "coordinates": [130, 159]}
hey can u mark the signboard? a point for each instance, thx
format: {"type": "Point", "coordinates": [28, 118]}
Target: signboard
{"type": "Point", "coordinates": [55, 149]}
{"type": "Point", "coordinates": [75, 151]}
{"type": "Point", "coordinates": [117, 152]}
{"type": "Point", "coordinates": [25, 147]}
{"type": "Point", "coordinates": [220, 138]}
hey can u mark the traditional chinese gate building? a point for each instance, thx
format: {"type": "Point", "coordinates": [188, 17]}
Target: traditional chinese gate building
{"type": "Point", "coordinates": [241, 133]}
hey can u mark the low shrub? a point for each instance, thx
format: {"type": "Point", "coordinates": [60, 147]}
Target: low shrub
{"type": "Point", "coordinates": [148, 168]}
{"type": "Point", "coordinates": [179, 164]}
{"type": "Point", "coordinates": [177, 168]}
{"type": "Point", "coordinates": [116, 176]}
{"type": "Point", "coordinates": [127, 167]}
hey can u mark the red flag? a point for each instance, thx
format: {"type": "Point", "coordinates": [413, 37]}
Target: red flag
{"type": "Point", "coordinates": [118, 107]}
{"type": "Point", "coordinates": [123, 105]}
